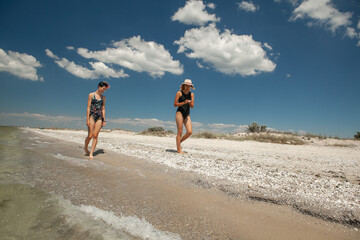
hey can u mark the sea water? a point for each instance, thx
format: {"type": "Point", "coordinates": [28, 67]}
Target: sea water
{"type": "Point", "coordinates": [27, 212]}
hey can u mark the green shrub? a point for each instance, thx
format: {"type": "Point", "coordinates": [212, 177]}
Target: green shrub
{"type": "Point", "coordinates": [170, 132]}
{"type": "Point", "coordinates": [357, 135]}
{"type": "Point", "coordinates": [263, 128]}
{"type": "Point", "coordinates": [255, 128]}
{"type": "Point", "coordinates": [156, 131]}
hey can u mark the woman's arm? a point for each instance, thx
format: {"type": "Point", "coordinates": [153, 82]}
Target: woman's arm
{"type": "Point", "coordinates": [88, 110]}
{"type": "Point", "coordinates": [192, 100]}
{"type": "Point", "coordinates": [176, 101]}
{"type": "Point", "coordinates": [103, 110]}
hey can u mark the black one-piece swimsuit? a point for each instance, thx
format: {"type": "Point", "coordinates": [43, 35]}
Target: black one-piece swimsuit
{"type": "Point", "coordinates": [184, 109]}
{"type": "Point", "coordinates": [96, 109]}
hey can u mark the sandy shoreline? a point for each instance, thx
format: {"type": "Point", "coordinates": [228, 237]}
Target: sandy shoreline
{"type": "Point", "coordinates": [320, 180]}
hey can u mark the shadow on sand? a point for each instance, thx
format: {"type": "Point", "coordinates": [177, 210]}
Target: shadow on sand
{"type": "Point", "coordinates": [99, 151]}
{"type": "Point", "coordinates": [171, 150]}
{"type": "Point", "coordinates": [174, 151]}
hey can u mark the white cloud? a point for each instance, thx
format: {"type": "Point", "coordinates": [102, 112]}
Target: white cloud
{"type": "Point", "coordinates": [19, 64]}
{"type": "Point", "coordinates": [211, 5]}
{"type": "Point", "coordinates": [221, 125]}
{"type": "Point", "coordinates": [351, 32]}
{"type": "Point", "coordinates": [248, 6]}
{"type": "Point", "coordinates": [42, 117]}
{"type": "Point", "coordinates": [267, 46]}
{"type": "Point", "coordinates": [325, 14]}
{"type": "Point", "coordinates": [322, 12]}
{"type": "Point", "coordinates": [99, 69]}
{"type": "Point", "coordinates": [241, 129]}
{"type": "Point", "coordinates": [70, 48]}
{"type": "Point", "coordinates": [41, 120]}
{"type": "Point", "coordinates": [137, 55]}
{"type": "Point", "coordinates": [302, 132]}
{"type": "Point", "coordinates": [136, 124]}
{"type": "Point", "coordinates": [148, 122]}
{"type": "Point", "coordinates": [138, 121]}
{"type": "Point", "coordinates": [141, 123]}
{"type": "Point", "coordinates": [200, 65]}
{"type": "Point", "coordinates": [37, 119]}
{"type": "Point", "coordinates": [51, 54]}
{"type": "Point", "coordinates": [194, 13]}
{"type": "Point", "coordinates": [288, 75]}
{"type": "Point", "coordinates": [293, 2]}
{"type": "Point", "coordinates": [226, 52]}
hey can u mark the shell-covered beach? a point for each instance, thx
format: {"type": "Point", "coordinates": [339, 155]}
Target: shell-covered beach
{"type": "Point", "coordinates": [320, 178]}
{"type": "Point", "coordinates": [138, 187]}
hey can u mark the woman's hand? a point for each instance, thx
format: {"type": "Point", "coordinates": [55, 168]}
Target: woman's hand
{"type": "Point", "coordinates": [103, 124]}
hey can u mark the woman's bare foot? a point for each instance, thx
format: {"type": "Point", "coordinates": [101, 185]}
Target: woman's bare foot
{"type": "Point", "coordinates": [91, 157]}
{"type": "Point", "coordinates": [87, 153]}
{"type": "Point", "coordinates": [179, 151]}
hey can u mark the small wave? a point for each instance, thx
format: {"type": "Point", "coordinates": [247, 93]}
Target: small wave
{"type": "Point", "coordinates": [44, 216]}
{"type": "Point", "coordinates": [79, 161]}
{"type": "Point", "coordinates": [75, 161]}
{"type": "Point", "coordinates": [130, 224]}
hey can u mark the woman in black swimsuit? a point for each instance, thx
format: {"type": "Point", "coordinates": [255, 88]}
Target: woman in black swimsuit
{"type": "Point", "coordinates": [95, 116]}
{"type": "Point", "coordinates": [184, 99]}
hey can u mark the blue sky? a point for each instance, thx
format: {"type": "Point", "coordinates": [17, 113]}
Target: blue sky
{"type": "Point", "coordinates": [292, 65]}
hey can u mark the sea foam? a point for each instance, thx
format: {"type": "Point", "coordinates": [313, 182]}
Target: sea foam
{"type": "Point", "coordinates": [79, 161]}
{"type": "Point", "coordinates": [130, 224]}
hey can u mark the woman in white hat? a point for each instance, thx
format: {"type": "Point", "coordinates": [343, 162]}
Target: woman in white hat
{"type": "Point", "coordinates": [184, 99]}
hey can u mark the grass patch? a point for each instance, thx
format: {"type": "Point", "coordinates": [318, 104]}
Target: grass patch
{"type": "Point", "coordinates": [258, 137]}
{"type": "Point", "coordinates": [157, 131]}
{"type": "Point", "coordinates": [208, 135]}
{"type": "Point", "coordinates": [269, 138]}
{"type": "Point", "coordinates": [319, 136]}
{"type": "Point", "coordinates": [342, 145]}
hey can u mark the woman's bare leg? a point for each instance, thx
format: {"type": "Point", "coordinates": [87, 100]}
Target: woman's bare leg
{"type": "Point", "coordinates": [95, 137]}
{"type": "Point", "coordinates": [179, 124]}
{"type": "Point", "coordinates": [89, 136]}
{"type": "Point", "coordinates": [188, 126]}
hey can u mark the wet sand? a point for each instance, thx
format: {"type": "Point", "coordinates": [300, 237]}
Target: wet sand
{"type": "Point", "coordinates": [171, 200]}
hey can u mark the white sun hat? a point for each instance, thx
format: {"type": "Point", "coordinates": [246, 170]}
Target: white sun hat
{"type": "Point", "coordinates": [188, 82]}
